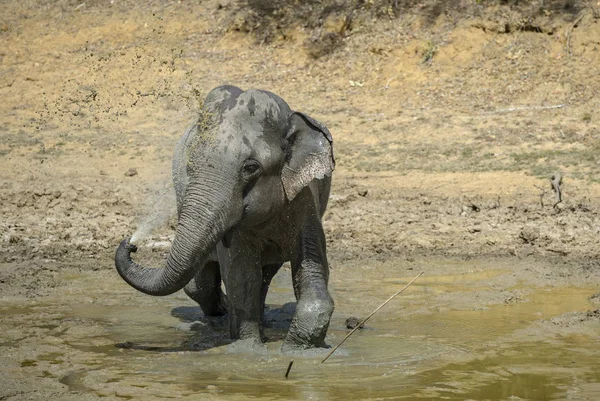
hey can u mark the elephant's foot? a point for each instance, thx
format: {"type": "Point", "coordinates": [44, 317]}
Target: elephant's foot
{"type": "Point", "coordinates": [245, 330]}
{"type": "Point", "coordinates": [247, 345]}
{"type": "Point", "coordinates": [309, 326]}
{"type": "Point", "coordinates": [248, 337]}
{"type": "Point", "coordinates": [212, 301]}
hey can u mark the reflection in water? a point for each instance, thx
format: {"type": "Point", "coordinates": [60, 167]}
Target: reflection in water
{"type": "Point", "coordinates": [421, 346]}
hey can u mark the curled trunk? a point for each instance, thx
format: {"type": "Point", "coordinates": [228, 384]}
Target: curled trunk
{"type": "Point", "coordinates": [201, 226]}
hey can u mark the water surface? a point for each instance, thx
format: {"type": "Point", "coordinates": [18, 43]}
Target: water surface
{"type": "Point", "coordinates": [446, 337]}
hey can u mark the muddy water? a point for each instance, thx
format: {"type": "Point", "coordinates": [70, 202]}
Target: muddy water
{"type": "Point", "coordinates": [446, 337]}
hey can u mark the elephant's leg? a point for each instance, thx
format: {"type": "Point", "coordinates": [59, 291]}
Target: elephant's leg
{"type": "Point", "coordinates": [268, 272]}
{"type": "Point", "coordinates": [205, 289]}
{"type": "Point", "coordinates": [310, 275]}
{"type": "Point", "coordinates": [242, 273]}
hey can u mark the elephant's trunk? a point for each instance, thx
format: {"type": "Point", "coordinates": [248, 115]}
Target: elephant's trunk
{"type": "Point", "coordinates": [201, 226]}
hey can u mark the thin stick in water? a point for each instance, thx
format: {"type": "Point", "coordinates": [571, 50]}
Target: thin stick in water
{"type": "Point", "coordinates": [368, 317]}
{"type": "Point", "coordinates": [287, 372]}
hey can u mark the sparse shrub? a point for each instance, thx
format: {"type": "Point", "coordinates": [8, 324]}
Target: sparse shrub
{"type": "Point", "coordinates": [428, 51]}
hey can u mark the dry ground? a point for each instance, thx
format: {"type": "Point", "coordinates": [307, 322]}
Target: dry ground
{"type": "Point", "coordinates": [446, 133]}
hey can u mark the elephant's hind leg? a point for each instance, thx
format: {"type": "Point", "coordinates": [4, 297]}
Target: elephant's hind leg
{"type": "Point", "coordinates": [268, 272]}
{"type": "Point", "coordinates": [205, 289]}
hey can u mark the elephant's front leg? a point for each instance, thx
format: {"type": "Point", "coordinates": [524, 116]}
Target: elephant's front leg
{"type": "Point", "coordinates": [310, 275]}
{"type": "Point", "coordinates": [241, 271]}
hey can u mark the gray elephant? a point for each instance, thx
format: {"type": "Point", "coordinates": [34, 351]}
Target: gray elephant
{"type": "Point", "coordinates": [252, 180]}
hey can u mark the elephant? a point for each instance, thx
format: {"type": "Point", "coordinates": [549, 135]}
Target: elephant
{"type": "Point", "coordinates": [252, 179]}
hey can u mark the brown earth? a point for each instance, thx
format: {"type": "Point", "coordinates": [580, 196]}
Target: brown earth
{"type": "Point", "coordinates": [448, 125]}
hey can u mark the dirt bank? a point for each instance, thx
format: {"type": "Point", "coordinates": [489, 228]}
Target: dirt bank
{"type": "Point", "coordinates": [448, 124]}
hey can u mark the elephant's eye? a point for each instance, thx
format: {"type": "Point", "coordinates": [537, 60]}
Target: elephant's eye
{"type": "Point", "coordinates": [251, 169]}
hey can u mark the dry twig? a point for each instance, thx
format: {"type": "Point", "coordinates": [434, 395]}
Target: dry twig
{"type": "Point", "coordinates": [472, 205]}
{"type": "Point", "coordinates": [287, 372]}
{"type": "Point", "coordinates": [556, 181]}
{"type": "Point", "coordinates": [389, 81]}
{"type": "Point", "coordinates": [368, 317]}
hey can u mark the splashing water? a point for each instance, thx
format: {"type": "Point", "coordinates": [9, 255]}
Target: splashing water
{"type": "Point", "coordinates": [162, 207]}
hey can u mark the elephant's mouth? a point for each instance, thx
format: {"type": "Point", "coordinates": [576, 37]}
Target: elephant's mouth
{"type": "Point", "coordinates": [252, 219]}
{"type": "Point", "coordinates": [226, 240]}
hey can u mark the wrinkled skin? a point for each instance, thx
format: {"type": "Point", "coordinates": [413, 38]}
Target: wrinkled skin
{"type": "Point", "coordinates": [252, 179]}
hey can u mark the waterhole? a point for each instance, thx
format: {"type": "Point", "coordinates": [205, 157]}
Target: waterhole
{"type": "Point", "coordinates": [481, 334]}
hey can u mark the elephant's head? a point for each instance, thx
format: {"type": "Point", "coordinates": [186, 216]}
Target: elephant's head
{"type": "Point", "coordinates": [246, 158]}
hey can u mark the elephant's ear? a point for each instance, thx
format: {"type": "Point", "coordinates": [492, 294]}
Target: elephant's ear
{"type": "Point", "coordinates": [310, 154]}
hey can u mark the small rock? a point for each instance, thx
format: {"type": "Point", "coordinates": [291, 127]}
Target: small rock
{"type": "Point", "coordinates": [593, 314]}
{"type": "Point", "coordinates": [339, 199]}
{"type": "Point", "coordinates": [352, 322]}
{"type": "Point", "coordinates": [363, 192]}
{"type": "Point", "coordinates": [131, 172]}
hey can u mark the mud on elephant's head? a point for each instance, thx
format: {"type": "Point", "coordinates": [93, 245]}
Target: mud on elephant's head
{"type": "Point", "coordinates": [246, 157]}
{"type": "Point", "coordinates": [264, 151]}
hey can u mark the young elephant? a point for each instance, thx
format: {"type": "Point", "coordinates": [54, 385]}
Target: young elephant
{"type": "Point", "coordinates": [252, 179]}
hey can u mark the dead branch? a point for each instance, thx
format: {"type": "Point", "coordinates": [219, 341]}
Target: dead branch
{"type": "Point", "coordinates": [287, 372]}
{"type": "Point", "coordinates": [556, 181]}
{"type": "Point", "coordinates": [472, 205]}
{"type": "Point", "coordinates": [372, 313]}
{"type": "Point", "coordinates": [389, 81]}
